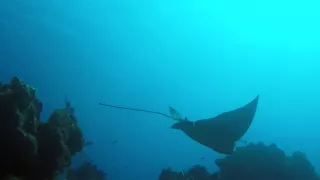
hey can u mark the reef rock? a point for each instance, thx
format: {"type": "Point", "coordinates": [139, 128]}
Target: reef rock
{"type": "Point", "coordinates": [259, 161]}
{"type": "Point", "coordinates": [34, 150]}
{"type": "Point", "coordinates": [252, 162]}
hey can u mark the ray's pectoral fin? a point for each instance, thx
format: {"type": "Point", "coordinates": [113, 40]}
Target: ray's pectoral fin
{"type": "Point", "coordinates": [221, 132]}
{"type": "Point", "coordinates": [241, 119]}
{"type": "Point", "coordinates": [224, 147]}
{"type": "Point", "coordinates": [206, 135]}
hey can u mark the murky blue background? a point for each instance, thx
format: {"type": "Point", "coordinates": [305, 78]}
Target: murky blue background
{"type": "Point", "coordinates": [201, 57]}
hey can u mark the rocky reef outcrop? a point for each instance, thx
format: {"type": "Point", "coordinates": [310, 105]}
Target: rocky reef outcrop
{"type": "Point", "coordinates": [32, 149]}
{"type": "Point", "coordinates": [252, 162]}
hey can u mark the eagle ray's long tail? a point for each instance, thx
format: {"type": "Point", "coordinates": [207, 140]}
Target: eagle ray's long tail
{"type": "Point", "coordinates": [134, 109]}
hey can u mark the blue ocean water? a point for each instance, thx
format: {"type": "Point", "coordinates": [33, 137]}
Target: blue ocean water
{"type": "Point", "coordinates": [201, 57]}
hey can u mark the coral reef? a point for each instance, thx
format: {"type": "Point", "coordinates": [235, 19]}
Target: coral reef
{"type": "Point", "coordinates": [86, 171]}
{"type": "Point", "coordinates": [34, 150]}
{"type": "Point", "coordinates": [252, 162]}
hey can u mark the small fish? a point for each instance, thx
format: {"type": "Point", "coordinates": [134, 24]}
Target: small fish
{"type": "Point", "coordinates": [114, 142]}
{"type": "Point", "coordinates": [68, 105]}
{"type": "Point", "coordinates": [88, 143]}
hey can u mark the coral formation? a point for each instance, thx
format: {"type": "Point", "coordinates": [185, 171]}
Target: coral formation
{"type": "Point", "coordinates": [34, 150]}
{"type": "Point", "coordinates": [86, 171]}
{"type": "Point", "coordinates": [252, 162]}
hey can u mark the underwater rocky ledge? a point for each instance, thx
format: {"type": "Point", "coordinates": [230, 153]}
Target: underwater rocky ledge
{"type": "Point", "coordinates": [41, 150]}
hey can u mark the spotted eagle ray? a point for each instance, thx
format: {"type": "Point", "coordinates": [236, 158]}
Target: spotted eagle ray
{"type": "Point", "coordinates": [219, 133]}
